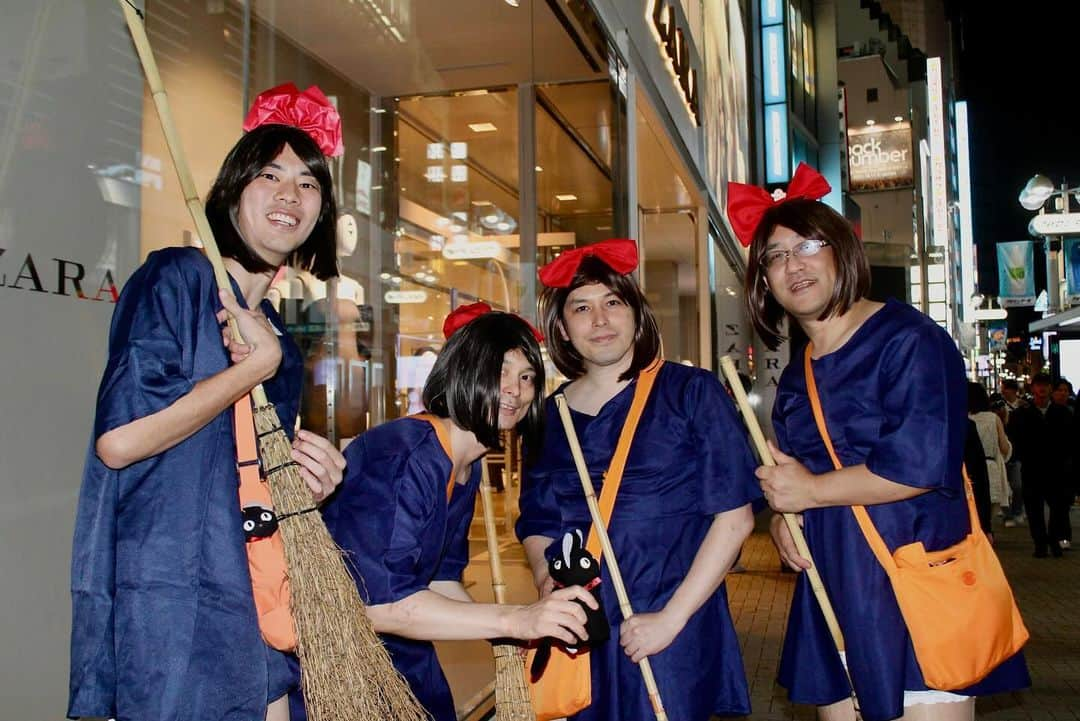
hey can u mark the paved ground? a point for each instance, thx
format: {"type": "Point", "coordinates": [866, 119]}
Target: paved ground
{"type": "Point", "coordinates": [1047, 591]}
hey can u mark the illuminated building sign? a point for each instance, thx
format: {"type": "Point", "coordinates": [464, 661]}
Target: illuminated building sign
{"type": "Point", "coordinates": [879, 157]}
{"type": "Point", "coordinates": [405, 296]}
{"type": "Point", "coordinates": [967, 239]}
{"type": "Point", "coordinates": [776, 144]}
{"type": "Point", "coordinates": [774, 92]}
{"type": "Point", "coordinates": [672, 40]}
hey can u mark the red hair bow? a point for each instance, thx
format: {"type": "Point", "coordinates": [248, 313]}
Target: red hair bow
{"type": "Point", "coordinates": [465, 314]}
{"type": "Point", "coordinates": [619, 253]}
{"type": "Point", "coordinates": [309, 110]}
{"type": "Point", "coordinates": [747, 203]}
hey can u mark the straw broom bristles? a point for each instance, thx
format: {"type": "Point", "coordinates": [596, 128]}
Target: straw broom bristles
{"type": "Point", "coordinates": [346, 672]}
{"type": "Point", "coordinates": [512, 699]}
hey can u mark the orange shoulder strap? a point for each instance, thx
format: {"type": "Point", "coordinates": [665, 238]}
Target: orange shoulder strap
{"type": "Point", "coordinates": [444, 441]}
{"type": "Point", "coordinates": [613, 475]}
{"type": "Point", "coordinates": [873, 538]}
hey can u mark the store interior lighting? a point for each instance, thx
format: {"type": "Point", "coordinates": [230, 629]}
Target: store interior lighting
{"type": "Point", "coordinates": [482, 127]}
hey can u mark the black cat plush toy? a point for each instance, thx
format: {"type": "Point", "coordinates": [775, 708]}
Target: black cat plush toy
{"type": "Point", "coordinates": [575, 567]}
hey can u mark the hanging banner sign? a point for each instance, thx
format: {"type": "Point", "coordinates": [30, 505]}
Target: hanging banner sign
{"type": "Point", "coordinates": [998, 334]}
{"type": "Point", "coordinates": [1016, 276]}
{"type": "Point", "coordinates": [1071, 247]}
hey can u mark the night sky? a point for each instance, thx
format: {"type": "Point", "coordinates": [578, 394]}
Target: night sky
{"type": "Point", "coordinates": [1019, 73]}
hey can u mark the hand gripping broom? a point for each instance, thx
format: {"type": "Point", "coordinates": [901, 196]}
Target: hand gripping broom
{"type": "Point", "coordinates": [345, 670]}
{"type": "Point", "coordinates": [790, 520]}
{"type": "Point", "coordinates": [512, 701]}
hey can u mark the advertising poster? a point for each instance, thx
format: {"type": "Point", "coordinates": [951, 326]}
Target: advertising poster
{"type": "Point", "coordinates": [879, 157]}
{"type": "Point", "coordinates": [1072, 269]}
{"type": "Point", "coordinates": [1016, 276]}
{"type": "Point", "coordinates": [998, 332]}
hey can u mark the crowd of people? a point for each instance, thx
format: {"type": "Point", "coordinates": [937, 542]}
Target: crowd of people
{"type": "Point", "coordinates": [1029, 444]}
{"type": "Point", "coordinates": [165, 625]}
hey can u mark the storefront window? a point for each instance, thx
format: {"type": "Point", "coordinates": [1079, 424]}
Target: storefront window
{"type": "Point", "coordinates": [431, 188]}
{"type": "Point", "coordinates": [668, 215]}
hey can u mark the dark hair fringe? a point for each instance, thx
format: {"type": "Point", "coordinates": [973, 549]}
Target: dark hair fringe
{"type": "Point", "coordinates": [251, 154]}
{"type": "Point", "coordinates": [809, 219]}
{"type": "Point", "coordinates": [465, 383]}
{"type": "Point", "coordinates": [592, 270]}
{"type": "Point", "coordinates": [978, 400]}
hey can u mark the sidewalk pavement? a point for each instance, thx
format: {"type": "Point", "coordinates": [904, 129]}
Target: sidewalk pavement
{"type": "Point", "coordinates": [1047, 591]}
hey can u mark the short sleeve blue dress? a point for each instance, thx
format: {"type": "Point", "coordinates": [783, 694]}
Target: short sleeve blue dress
{"type": "Point", "coordinates": [392, 517]}
{"type": "Point", "coordinates": [895, 398]}
{"type": "Point", "coordinates": [163, 619]}
{"type": "Point", "coordinates": [689, 461]}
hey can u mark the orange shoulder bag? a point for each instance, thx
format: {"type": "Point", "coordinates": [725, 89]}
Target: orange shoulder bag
{"type": "Point", "coordinates": [566, 684]}
{"type": "Point", "coordinates": [265, 549]}
{"type": "Point", "coordinates": [956, 603]}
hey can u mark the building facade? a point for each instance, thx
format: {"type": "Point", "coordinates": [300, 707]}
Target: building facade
{"type": "Point", "coordinates": [468, 164]}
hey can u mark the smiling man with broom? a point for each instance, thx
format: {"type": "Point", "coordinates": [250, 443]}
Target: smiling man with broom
{"type": "Point", "coordinates": [165, 623]}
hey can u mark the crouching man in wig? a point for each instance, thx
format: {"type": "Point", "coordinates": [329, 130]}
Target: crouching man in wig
{"type": "Point", "coordinates": [682, 509]}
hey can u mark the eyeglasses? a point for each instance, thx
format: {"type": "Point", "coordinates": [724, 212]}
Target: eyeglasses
{"type": "Point", "coordinates": [805, 249]}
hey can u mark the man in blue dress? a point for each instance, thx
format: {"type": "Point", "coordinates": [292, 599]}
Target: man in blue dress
{"type": "Point", "coordinates": [683, 507]}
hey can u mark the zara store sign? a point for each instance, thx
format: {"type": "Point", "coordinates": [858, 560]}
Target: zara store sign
{"type": "Point", "coordinates": [57, 276]}
{"type": "Point", "coordinates": [671, 35]}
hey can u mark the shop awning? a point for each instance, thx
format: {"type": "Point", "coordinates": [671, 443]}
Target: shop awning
{"type": "Point", "coordinates": [1065, 321]}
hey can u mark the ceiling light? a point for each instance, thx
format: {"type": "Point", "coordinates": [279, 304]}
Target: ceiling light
{"type": "Point", "coordinates": [898, 118]}
{"type": "Point", "coordinates": [513, 3]}
{"type": "Point", "coordinates": [539, 169]}
{"type": "Point", "coordinates": [384, 276]}
{"type": "Point", "coordinates": [482, 127]}
{"type": "Point", "coordinates": [504, 226]}
{"type": "Point", "coordinates": [565, 197]}
{"type": "Point", "coordinates": [491, 218]}
{"type": "Point", "coordinates": [481, 202]}
{"type": "Point", "coordinates": [870, 122]}
{"type": "Point", "coordinates": [379, 149]}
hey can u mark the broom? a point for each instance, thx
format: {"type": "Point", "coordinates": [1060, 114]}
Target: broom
{"type": "Point", "coordinates": [346, 674]}
{"type": "Point", "coordinates": [512, 701]}
{"type": "Point", "coordinates": [792, 523]}
{"type": "Point", "coordinates": [605, 543]}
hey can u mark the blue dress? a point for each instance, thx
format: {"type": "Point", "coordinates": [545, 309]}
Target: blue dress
{"type": "Point", "coordinates": [163, 619]}
{"type": "Point", "coordinates": [689, 461]}
{"type": "Point", "coordinates": [895, 398]}
{"type": "Point", "coordinates": [392, 518]}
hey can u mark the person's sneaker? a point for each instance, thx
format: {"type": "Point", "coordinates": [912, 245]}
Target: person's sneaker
{"type": "Point", "coordinates": [1065, 545]}
{"type": "Point", "coordinates": [1009, 523]}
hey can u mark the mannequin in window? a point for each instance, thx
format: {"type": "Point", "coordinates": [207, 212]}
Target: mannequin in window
{"type": "Point", "coordinates": [336, 359]}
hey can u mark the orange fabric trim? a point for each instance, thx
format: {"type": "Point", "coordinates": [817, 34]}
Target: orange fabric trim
{"type": "Point", "coordinates": [444, 441]}
{"type": "Point", "coordinates": [613, 475]}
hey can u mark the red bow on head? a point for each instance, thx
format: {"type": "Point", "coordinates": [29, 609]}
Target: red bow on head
{"type": "Point", "coordinates": [309, 110]}
{"type": "Point", "coordinates": [465, 313]}
{"type": "Point", "coordinates": [619, 253]}
{"type": "Point", "coordinates": [748, 203]}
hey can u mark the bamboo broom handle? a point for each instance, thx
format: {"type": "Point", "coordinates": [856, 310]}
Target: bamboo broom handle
{"type": "Point", "coordinates": [605, 544]}
{"type": "Point", "coordinates": [183, 172]}
{"type": "Point", "coordinates": [792, 523]}
{"type": "Point", "coordinates": [498, 587]}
